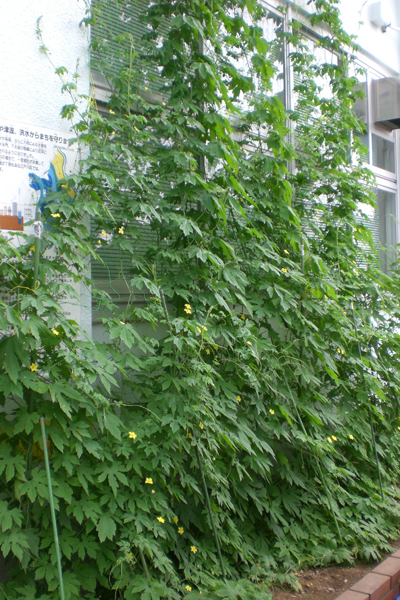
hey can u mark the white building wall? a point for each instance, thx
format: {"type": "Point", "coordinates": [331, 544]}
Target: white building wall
{"type": "Point", "coordinates": [30, 91]}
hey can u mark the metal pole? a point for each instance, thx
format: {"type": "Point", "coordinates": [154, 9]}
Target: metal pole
{"type": "Point", "coordinates": [52, 509]}
{"type": "Point", "coordinates": [207, 498]}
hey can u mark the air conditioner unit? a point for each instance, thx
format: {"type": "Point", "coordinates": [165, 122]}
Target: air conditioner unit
{"type": "Point", "coordinates": [386, 102]}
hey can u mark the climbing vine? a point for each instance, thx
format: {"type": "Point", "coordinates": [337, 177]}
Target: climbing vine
{"type": "Point", "coordinates": [239, 417]}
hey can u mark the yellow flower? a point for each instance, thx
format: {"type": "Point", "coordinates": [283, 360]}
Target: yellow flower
{"type": "Point", "coordinates": [284, 270]}
{"type": "Point", "coordinates": [180, 530]}
{"type": "Point", "coordinates": [249, 343]}
{"type": "Point", "coordinates": [153, 491]}
{"type": "Point", "coordinates": [198, 329]}
{"type": "Point", "coordinates": [130, 555]}
{"type": "Point", "coordinates": [238, 398]}
{"type": "Point", "coordinates": [33, 367]}
{"type": "Point", "coordinates": [120, 230]}
{"type": "Point", "coordinates": [113, 133]}
{"type": "Point", "coordinates": [132, 435]}
{"type": "Point", "coordinates": [103, 232]}
{"type": "Point", "coordinates": [286, 251]}
{"type": "Point", "coordinates": [189, 589]}
{"type": "Point", "coordinates": [271, 410]}
{"type": "Point", "coordinates": [352, 436]}
{"type": "Point", "coordinates": [334, 438]}
{"type": "Point", "coordinates": [146, 88]}
{"type": "Point", "coordinates": [55, 215]}
{"type": "Point", "coordinates": [112, 112]}
{"type": "Point", "coordinates": [55, 332]}
{"type": "Point", "coordinates": [329, 440]}
{"type": "Point", "coordinates": [245, 151]}
{"type": "Point", "coordinates": [188, 309]}
{"type": "Point", "coordinates": [208, 351]}
{"type": "Point", "coordinates": [31, 249]}
{"type": "Point", "coordinates": [193, 549]}
{"type": "Point", "coordinates": [122, 322]}
{"type": "Point", "coordinates": [201, 425]}
{"type": "Point", "coordinates": [98, 241]}
{"type": "Point", "coordinates": [149, 480]}
{"type": "Point", "coordinates": [326, 297]}
{"type": "Point", "coordinates": [175, 520]}
{"type": "Point", "coordinates": [164, 103]}
{"type": "Point", "coordinates": [205, 328]}
{"type": "Point", "coordinates": [160, 519]}
{"type": "Point", "coordinates": [243, 317]}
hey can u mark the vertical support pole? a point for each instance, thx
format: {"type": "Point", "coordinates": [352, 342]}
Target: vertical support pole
{"type": "Point", "coordinates": [38, 229]}
{"type": "Point", "coordinates": [52, 509]}
{"type": "Point", "coordinates": [207, 499]}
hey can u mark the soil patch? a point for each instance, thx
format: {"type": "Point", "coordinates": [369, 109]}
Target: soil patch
{"type": "Point", "coordinates": [326, 583]}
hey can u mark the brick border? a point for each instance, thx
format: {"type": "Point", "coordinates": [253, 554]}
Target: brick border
{"type": "Point", "coordinates": [383, 583]}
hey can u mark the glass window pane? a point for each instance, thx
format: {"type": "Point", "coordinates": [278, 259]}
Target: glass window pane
{"type": "Point", "coordinates": [382, 153]}
{"type": "Point", "coordinates": [386, 221]}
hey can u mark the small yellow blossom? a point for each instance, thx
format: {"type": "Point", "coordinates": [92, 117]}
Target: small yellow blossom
{"type": "Point", "coordinates": [326, 297]}
{"type": "Point", "coordinates": [198, 329]}
{"type": "Point", "coordinates": [245, 151]}
{"type": "Point", "coordinates": [180, 530]}
{"type": "Point", "coordinates": [193, 549]}
{"type": "Point", "coordinates": [188, 588]}
{"type": "Point", "coordinates": [334, 438]}
{"type": "Point", "coordinates": [153, 491]}
{"type": "Point", "coordinates": [188, 309]}
{"type": "Point", "coordinates": [189, 436]}
{"type": "Point", "coordinates": [271, 410]}
{"type": "Point", "coordinates": [99, 241]}
{"type": "Point", "coordinates": [55, 215]}
{"type": "Point", "coordinates": [121, 231]}
{"type": "Point", "coordinates": [175, 520]}
{"type": "Point", "coordinates": [33, 367]}
{"type": "Point", "coordinates": [112, 112]}
{"type": "Point", "coordinates": [164, 103]}
{"type": "Point", "coordinates": [205, 328]}
{"type": "Point", "coordinates": [132, 435]}
{"type": "Point", "coordinates": [113, 133]}
{"type": "Point", "coordinates": [249, 343]}
{"type": "Point", "coordinates": [149, 480]}
{"type": "Point", "coordinates": [286, 251]}
{"type": "Point", "coordinates": [238, 398]}
{"type": "Point", "coordinates": [122, 322]}
{"type": "Point", "coordinates": [201, 425]}
{"type": "Point", "coordinates": [284, 270]}
{"type": "Point", "coordinates": [146, 88]}
{"type": "Point", "coordinates": [352, 436]}
{"type": "Point", "coordinates": [130, 555]}
{"type": "Point", "coordinates": [208, 351]}
{"type": "Point", "coordinates": [329, 440]}
{"type": "Point", "coordinates": [160, 519]}
{"type": "Point", "coordinates": [243, 317]}
{"type": "Point", "coordinates": [103, 232]}
{"type": "Point", "coordinates": [55, 332]}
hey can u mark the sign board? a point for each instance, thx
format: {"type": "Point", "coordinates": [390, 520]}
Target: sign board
{"type": "Point", "coordinates": [32, 161]}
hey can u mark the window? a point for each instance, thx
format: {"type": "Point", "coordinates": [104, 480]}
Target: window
{"type": "Point", "coordinates": [381, 159]}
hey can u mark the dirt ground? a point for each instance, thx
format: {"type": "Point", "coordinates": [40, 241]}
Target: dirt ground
{"type": "Point", "coordinates": [326, 583]}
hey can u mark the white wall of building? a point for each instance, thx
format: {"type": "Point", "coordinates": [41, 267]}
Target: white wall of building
{"type": "Point", "coordinates": [30, 90]}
